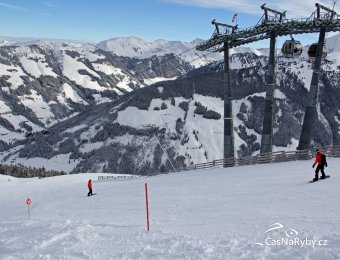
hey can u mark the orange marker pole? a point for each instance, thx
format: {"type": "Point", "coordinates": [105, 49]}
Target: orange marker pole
{"type": "Point", "coordinates": [147, 206]}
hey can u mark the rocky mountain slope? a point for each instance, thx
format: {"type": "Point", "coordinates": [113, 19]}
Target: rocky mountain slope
{"type": "Point", "coordinates": [44, 82]}
{"type": "Point", "coordinates": [127, 133]}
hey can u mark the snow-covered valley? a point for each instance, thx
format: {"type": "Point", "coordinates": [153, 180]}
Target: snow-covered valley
{"type": "Point", "coordinates": [208, 214]}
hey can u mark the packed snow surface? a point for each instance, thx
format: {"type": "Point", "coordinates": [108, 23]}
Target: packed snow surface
{"type": "Point", "coordinates": [208, 214]}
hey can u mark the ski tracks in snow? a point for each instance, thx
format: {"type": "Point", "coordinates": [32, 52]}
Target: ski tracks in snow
{"type": "Point", "coordinates": [80, 240]}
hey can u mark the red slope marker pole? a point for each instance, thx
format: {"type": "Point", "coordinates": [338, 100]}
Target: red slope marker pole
{"type": "Point", "coordinates": [147, 206]}
{"type": "Point", "coordinates": [28, 202]}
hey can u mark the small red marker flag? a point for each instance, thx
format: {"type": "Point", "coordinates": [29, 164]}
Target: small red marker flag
{"type": "Point", "coordinates": [234, 17]}
{"type": "Point", "coordinates": [28, 202]}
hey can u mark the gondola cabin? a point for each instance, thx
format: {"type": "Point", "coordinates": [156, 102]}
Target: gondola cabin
{"type": "Point", "coordinates": [291, 49]}
{"type": "Point", "coordinates": [313, 48]}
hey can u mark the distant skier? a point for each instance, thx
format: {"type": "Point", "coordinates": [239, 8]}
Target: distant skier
{"type": "Point", "coordinates": [320, 159]}
{"type": "Point", "coordinates": [89, 185]}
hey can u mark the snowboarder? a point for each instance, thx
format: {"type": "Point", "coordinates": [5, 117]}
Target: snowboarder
{"type": "Point", "coordinates": [320, 159]}
{"type": "Point", "coordinates": [89, 185]}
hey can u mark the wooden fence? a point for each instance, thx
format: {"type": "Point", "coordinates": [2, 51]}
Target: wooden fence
{"type": "Point", "coordinates": [111, 177]}
{"type": "Point", "coordinates": [274, 157]}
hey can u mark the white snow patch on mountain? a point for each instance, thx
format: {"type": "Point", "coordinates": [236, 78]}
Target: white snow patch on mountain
{"type": "Point", "coordinates": [36, 65]}
{"type": "Point", "coordinates": [88, 51]}
{"type": "Point", "coordinates": [207, 127]}
{"type": "Point", "coordinates": [14, 73]}
{"type": "Point", "coordinates": [151, 81]}
{"type": "Point", "coordinates": [9, 136]}
{"type": "Point", "coordinates": [120, 93]}
{"type": "Point", "coordinates": [76, 128]}
{"type": "Point", "coordinates": [336, 118]}
{"type": "Point", "coordinates": [237, 140]}
{"type": "Point", "coordinates": [71, 70]}
{"type": "Point", "coordinates": [15, 120]}
{"type": "Point", "coordinates": [137, 118]}
{"type": "Point", "coordinates": [333, 46]}
{"type": "Point", "coordinates": [100, 100]}
{"type": "Point", "coordinates": [56, 162]}
{"type": "Point", "coordinates": [4, 109]}
{"type": "Point", "coordinates": [71, 94]}
{"type": "Point", "coordinates": [36, 103]}
{"type": "Point", "coordinates": [125, 84]}
{"type": "Point", "coordinates": [4, 42]}
{"type": "Point", "coordinates": [88, 147]}
{"type": "Point", "coordinates": [302, 68]}
{"type": "Point", "coordinates": [289, 148]}
{"type": "Point", "coordinates": [107, 69]}
{"type": "Point", "coordinates": [279, 94]}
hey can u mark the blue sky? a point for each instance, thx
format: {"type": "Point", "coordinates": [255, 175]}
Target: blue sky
{"type": "Point", "coordinates": [96, 20]}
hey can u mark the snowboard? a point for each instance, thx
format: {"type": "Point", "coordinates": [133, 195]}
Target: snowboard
{"type": "Point", "coordinates": [327, 176]}
{"type": "Point", "coordinates": [92, 194]}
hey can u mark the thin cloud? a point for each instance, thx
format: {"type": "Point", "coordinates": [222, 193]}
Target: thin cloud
{"type": "Point", "coordinates": [294, 8]}
{"type": "Point", "coordinates": [49, 4]}
{"type": "Point", "coordinates": [44, 14]}
{"type": "Point", "coordinates": [242, 5]}
{"type": "Point", "coordinates": [13, 7]}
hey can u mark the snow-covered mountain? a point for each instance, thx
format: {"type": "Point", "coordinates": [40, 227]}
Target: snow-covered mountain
{"type": "Point", "coordinates": [43, 82]}
{"type": "Point", "coordinates": [112, 132]}
{"type": "Point", "coordinates": [333, 47]}
{"type": "Point", "coordinates": [138, 48]}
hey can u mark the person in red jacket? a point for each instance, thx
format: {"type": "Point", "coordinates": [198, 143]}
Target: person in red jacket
{"type": "Point", "coordinates": [89, 185]}
{"type": "Point", "coordinates": [321, 161]}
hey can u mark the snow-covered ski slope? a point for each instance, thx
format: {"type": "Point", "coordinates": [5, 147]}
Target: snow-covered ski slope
{"type": "Point", "coordinates": [208, 214]}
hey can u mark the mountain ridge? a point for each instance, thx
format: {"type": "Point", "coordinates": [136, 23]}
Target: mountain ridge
{"type": "Point", "coordinates": [99, 131]}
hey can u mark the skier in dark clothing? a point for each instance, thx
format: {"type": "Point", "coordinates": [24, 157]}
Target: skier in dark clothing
{"type": "Point", "coordinates": [89, 185]}
{"type": "Point", "coordinates": [320, 159]}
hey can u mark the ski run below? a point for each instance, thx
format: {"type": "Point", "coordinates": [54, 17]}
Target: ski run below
{"type": "Point", "coordinates": [207, 214]}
